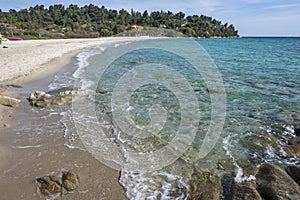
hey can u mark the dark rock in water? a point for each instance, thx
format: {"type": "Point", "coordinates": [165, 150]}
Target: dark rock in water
{"type": "Point", "coordinates": [52, 186]}
{"type": "Point", "coordinates": [226, 181]}
{"type": "Point", "coordinates": [293, 150]}
{"type": "Point", "coordinates": [294, 172]}
{"type": "Point", "coordinates": [297, 129]}
{"type": "Point", "coordinates": [45, 100]}
{"type": "Point", "coordinates": [14, 86]}
{"type": "Point", "coordinates": [48, 187]}
{"type": "Point", "coordinates": [294, 141]}
{"type": "Point", "coordinates": [9, 101]}
{"type": "Point", "coordinates": [202, 187]}
{"type": "Point", "coordinates": [244, 191]}
{"type": "Point", "coordinates": [275, 183]}
{"type": "Point", "coordinates": [69, 181]}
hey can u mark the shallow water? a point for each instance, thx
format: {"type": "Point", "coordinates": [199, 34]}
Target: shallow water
{"type": "Point", "coordinates": [144, 96]}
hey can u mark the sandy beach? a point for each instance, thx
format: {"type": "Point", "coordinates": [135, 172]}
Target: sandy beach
{"type": "Point", "coordinates": [22, 58]}
{"type": "Point", "coordinates": [30, 62]}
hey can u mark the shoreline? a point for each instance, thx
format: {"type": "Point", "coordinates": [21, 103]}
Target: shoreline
{"type": "Point", "coordinates": [36, 57]}
{"type": "Point", "coordinates": [36, 73]}
{"type": "Point", "coordinates": [33, 71]}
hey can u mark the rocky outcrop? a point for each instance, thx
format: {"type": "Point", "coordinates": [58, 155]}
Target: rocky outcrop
{"type": "Point", "coordinates": [52, 186]}
{"type": "Point", "coordinates": [9, 101]}
{"type": "Point", "coordinates": [46, 100]}
{"type": "Point", "coordinates": [294, 172]}
{"type": "Point", "coordinates": [244, 191]}
{"type": "Point", "coordinates": [275, 183]}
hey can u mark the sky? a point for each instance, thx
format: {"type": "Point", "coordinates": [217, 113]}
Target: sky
{"type": "Point", "coordinates": [250, 17]}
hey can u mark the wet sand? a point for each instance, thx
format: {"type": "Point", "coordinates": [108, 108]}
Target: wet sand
{"type": "Point", "coordinates": [26, 155]}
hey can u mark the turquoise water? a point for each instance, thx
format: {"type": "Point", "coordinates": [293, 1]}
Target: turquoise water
{"type": "Point", "coordinates": [262, 92]}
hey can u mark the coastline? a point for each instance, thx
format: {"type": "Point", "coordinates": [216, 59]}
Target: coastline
{"type": "Point", "coordinates": [22, 61]}
{"type": "Point", "coordinates": [94, 176]}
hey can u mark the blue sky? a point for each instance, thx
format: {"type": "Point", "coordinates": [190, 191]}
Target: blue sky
{"type": "Point", "coordinates": [250, 17]}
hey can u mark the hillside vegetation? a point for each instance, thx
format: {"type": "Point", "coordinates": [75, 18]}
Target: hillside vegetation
{"type": "Point", "coordinates": [59, 21]}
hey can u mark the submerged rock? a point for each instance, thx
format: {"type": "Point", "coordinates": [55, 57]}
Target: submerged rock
{"type": "Point", "coordinates": [54, 186]}
{"type": "Point", "coordinates": [203, 186]}
{"type": "Point", "coordinates": [293, 150]}
{"type": "Point", "coordinates": [294, 141]}
{"type": "Point", "coordinates": [294, 172]}
{"type": "Point", "coordinates": [45, 100]}
{"type": "Point", "coordinates": [244, 191]}
{"type": "Point", "coordinates": [9, 101]}
{"type": "Point", "coordinates": [275, 183]}
{"type": "Point", "coordinates": [297, 129]}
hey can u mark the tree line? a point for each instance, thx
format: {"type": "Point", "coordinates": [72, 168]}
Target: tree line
{"type": "Point", "coordinates": [59, 21]}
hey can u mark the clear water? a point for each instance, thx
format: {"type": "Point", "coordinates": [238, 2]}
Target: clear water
{"type": "Point", "coordinates": [261, 80]}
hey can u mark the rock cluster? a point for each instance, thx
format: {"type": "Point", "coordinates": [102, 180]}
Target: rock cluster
{"type": "Point", "coordinates": [272, 182]}
{"type": "Point", "coordinates": [53, 186]}
{"type": "Point", "coordinates": [46, 100]}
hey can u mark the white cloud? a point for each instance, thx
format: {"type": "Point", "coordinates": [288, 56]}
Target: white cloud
{"type": "Point", "coordinates": [283, 6]}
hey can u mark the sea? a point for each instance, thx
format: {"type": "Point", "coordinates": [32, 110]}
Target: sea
{"type": "Point", "coordinates": [163, 110]}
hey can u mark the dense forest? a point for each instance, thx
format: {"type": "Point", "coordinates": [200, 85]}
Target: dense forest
{"type": "Point", "coordinates": [59, 21]}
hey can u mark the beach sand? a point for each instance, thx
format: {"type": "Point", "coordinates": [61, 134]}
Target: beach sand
{"type": "Point", "coordinates": [30, 62]}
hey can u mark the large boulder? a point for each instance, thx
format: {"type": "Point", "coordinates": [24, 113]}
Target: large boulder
{"type": "Point", "coordinates": [9, 101]}
{"type": "Point", "coordinates": [275, 184]}
{"type": "Point", "coordinates": [294, 172]}
{"type": "Point", "coordinates": [244, 191]}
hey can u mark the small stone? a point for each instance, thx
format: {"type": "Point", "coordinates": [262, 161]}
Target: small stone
{"type": "Point", "coordinates": [56, 179]}
{"type": "Point", "coordinates": [32, 97]}
{"type": "Point", "coordinates": [68, 185]}
{"type": "Point", "coordinates": [69, 181]}
{"type": "Point", "coordinates": [48, 96]}
{"type": "Point", "coordinates": [64, 191]}
{"type": "Point", "coordinates": [9, 101]}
